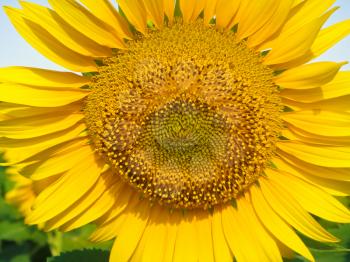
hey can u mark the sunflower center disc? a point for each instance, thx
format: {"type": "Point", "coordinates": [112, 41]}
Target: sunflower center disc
{"type": "Point", "coordinates": [187, 115]}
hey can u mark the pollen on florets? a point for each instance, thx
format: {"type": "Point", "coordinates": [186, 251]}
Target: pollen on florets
{"type": "Point", "coordinates": [189, 116]}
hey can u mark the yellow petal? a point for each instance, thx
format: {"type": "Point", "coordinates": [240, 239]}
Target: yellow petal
{"type": "Point", "coordinates": [86, 23]}
{"type": "Point", "coordinates": [297, 2]}
{"type": "Point", "coordinates": [333, 187]}
{"type": "Point", "coordinates": [154, 237]}
{"type": "Point", "coordinates": [329, 36]}
{"type": "Point", "coordinates": [59, 161]}
{"type": "Point", "coordinates": [204, 236]}
{"type": "Point", "coordinates": [124, 196]}
{"type": "Point", "coordinates": [272, 25]}
{"type": "Point", "coordinates": [286, 252]}
{"type": "Point", "coordinates": [292, 212]}
{"type": "Point", "coordinates": [63, 32]}
{"type": "Point", "coordinates": [7, 110]}
{"type": "Point", "coordinates": [104, 10]}
{"type": "Point", "coordinates": [186, 245]}
{"type": "Point", "coordinates": [295, 43]}
{"type": "Point", "coordinates": [11, 111]}
{"type": "Point", "coordinates": [131, 233]}
{"type": "Point", "coordinates": [234, 235]}
{"type": "Point", "coordinates": [312, 198]}
{"type": "Point", "coordinates": [198, 9]}
{"type": "Point", "coordinates": [63, 147]}
{"type": "Point", "coordinates": [340, 104]}
{"type": "Point", "coordinates": [341, 174]}
{"type": "Point", "coordinates": [110, 229]}
{"type": "Point", "coordinates": [209, 10]}
{"type": "Point", "coordinates": [155, 9]}
{"type": "Point", "coordinates": [269, 250]}
{"type": "Point", "coordinates": [41, 77]}
{"type": "Point", "coordinates": [296, 134]}
{"type": "Point", "coordinates": [172, 229]}
{"type": "Point", "coordinates": [139, 251]}
{"type": "Point", "coordinates": [318, 155]}
{"type": "Point", "coordinates": [96, 210]}
{"type": "Point", "coordinates": [220, 247]}
{"type": "Point", "coordinates": [276, 225]}
{"type": "Point", "coordinates": [86, 204]}
{"type": "Point", "coordinates": [47, 45]}
{"type": "Point", "coordinates": [169, 9]}
{"type": "Point", "coordinates": [307, 11]}
{"type": "Point", "coordinates": [29, 127]}
{"type": "Point", "coordinates": [18, 150]}
{"type": "Point", "coordinates": [325, 40]}
{"type": "Point", "coordinates": [238, 236]}
{"type": "Point", "coordinates": [33, 96]}
{"type": "Point", "coordinates": [254, 16]}
{"type": "Point", "coordinates": [320, 122]}
{"type": "Point", "coordinates": [21, 198]}
{"type": "Point", "coordinates": [53, 200]}
{"type": "Point", "coordinates": [339, 86]}
{"type": "Point", "coordinates": [136, 13]}
{"type": "Point", "coordinates": [25, 191]}
{"type": "Point", "coordinates": [225, 13]}
{"type": "Point", "coordinates": [309, 75]}
{"type": "Point", "coordinates": [191, 9]}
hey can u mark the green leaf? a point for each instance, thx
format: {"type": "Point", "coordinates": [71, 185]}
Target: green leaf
{"type": "Point", "coordinates": [345, 201]}
{"type": "Point", "coordinates": [79, 239]}
{"type": "Point", "coordinates": [21, 258]}
{"type": "Point", "coordinates": [178, 9]}
{"type": "Point", "coordinates": [330, 256]}
{"type": "Point", "coordinates": [8, 212]}
{"type": "Point", "coordinates": [14, 231]}
{"type": "Point", "coordinates": [89, 74]}
{"type": "Point", "coordinates": [5, 184]}
{"type": "Point", "coordinates": [342, 231]}
{"type": "Point", "coordinates": [10, 252]}
{"type": "Point", "coordinates": [92, 255]}
{"type": "Point", "coordinates": [19, 232]}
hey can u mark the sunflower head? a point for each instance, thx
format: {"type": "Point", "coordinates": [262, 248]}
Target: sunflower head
{"type": "Point", "coordinates": [208, 107]}
{"type": "Point", "coordinates": [188, 115]}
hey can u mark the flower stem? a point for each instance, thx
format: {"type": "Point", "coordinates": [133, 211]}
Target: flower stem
{"type": "Point", "coordinates": [54, 240]}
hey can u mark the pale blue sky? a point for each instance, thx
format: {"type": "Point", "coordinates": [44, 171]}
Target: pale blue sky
{"type": "Point", "coordinates": [15, 51]}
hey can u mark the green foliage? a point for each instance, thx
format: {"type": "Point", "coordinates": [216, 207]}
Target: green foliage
{"type": "Point", "coordinates": [91, 255]}
{"type": "Point", "coordinates": [23, 243]}
{"type": "Point", "coordinates": [19, 242]}
{"type": "Point", "coordinates": [89, 74]}
{"type": "Point", "coordinates": [177, 9]}
{"type": "Point", "coordinates": [78, 239]}
{"type": "Point", "coordinates": [7, 212]}
{"type": "Point", "coordinates": [19, 233]}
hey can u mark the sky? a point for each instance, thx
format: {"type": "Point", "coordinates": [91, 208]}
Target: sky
{"type": "Point", "coordinates": [15, 51]}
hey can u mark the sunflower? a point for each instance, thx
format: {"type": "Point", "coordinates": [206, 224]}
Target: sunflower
{"type": "Point", "coordinates": [24, 191]}
{"type": "Point", "coordinates": [198, 131]}
{"type": "Point", "coordinates": [22, 195]}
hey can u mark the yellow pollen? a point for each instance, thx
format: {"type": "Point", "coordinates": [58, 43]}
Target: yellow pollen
{"type": "Point", "coordinates": [188, 115]}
